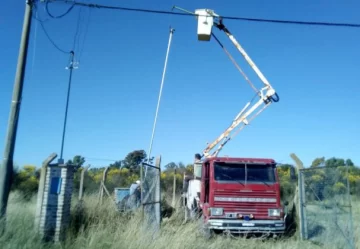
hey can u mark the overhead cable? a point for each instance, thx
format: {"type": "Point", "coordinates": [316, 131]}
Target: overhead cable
{"type": "Point", "coordinates": [101, 6]}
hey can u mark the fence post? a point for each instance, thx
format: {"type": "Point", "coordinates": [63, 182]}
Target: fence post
{"type": "Point", "coordinates": [40, 195]}
{"type": "Point", "coordinates": [101, 184]}
{"type": "Point", "coordinates": [81, 188]}
{"type": "Point", "coordinates": [352, 237]}
{"type": "Point", "coordinates": [299, 196]}
{"type": "Point", "coordinates": [158, 192]}
{"type": "Point", "coordinates": [302, 214]}
{"type": "Point", "coordinates": [174, 191]}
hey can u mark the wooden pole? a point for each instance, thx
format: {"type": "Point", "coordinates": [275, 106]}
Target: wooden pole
{"type": "Point", "coordinates": [6, 169]}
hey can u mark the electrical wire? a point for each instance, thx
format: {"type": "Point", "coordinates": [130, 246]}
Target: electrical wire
{"type": "Point", "coordinates": [62, 15]}
{"type": "Point", "coordinates": [53, 43]}
{"type": "Point", "coordinates": [101, 159]}
{"type": "Point", "coordinates": [100, 6]}
{"type": "Point", "coordinates": [85, 35]}
{"type": "Point", "coordinates": [45, 31]}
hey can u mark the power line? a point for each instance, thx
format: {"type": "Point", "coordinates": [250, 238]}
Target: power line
{"type": "Point", "coordinates": [59, 16]}
{"type": "Point", "coordinates": [100, 6]}
{"type": "Point", "coordinates": [52, 42]}
{"type": "Point", "coordinates": [101, 159]}
{"type": "Point", "coordinates": [46, 33]}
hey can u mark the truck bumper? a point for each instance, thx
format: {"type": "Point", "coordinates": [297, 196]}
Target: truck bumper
{"type": "Point", "coordinates": [252, 226]}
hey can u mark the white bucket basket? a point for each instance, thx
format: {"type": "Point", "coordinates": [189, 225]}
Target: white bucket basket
{"type": "Point", "coordinates": [205, 24]}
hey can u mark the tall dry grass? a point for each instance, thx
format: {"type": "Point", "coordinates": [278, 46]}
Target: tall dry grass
{"type": "Point", "coordinates": [106, 228]}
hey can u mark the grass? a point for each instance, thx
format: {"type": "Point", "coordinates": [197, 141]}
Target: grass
{"type": "Point", "coordinates": [106, 228]}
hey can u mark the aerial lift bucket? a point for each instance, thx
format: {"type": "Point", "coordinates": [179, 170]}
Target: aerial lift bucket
{"type": "Point", "coordinates": [205, 24]}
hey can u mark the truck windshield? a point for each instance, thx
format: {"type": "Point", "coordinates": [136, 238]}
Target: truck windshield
{"type": "Point", "coordinates": [239, 172]}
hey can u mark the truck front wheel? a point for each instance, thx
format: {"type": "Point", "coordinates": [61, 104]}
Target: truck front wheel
{"type": "Point", "coordinates": [205, 230]}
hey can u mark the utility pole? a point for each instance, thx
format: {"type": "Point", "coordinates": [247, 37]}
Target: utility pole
{"type": "Point", "coordinates": [7, 165]}
{"type": "Point", "coordinates": [71, 67]}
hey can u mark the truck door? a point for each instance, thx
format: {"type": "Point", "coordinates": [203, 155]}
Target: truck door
{"type": "Point", "coordinates": [205, 184]}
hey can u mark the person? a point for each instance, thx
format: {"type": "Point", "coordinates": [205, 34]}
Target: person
{"type": "Point", "coordinates": [133, 201]}
{"type": "Point", "coordinates": [197, 158]}
{"type": "Point", "coordinates": [134, 186]}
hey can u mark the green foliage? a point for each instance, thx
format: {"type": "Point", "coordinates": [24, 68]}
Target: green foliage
{"type": "Point", "coordinates": [26, 181]}
{"type": "Point", "coordinates": [334, 162]}
{"type": "Point", "coordinates": [77, 160]}
{"type": "Point", "coordinates": [320, 161]}
{"type": "Point", "coordinates": [123, 173]}
{"type": "Point", "coordinates": [287, 186]}
{"type": "Point", "coordinates": [134, 159]}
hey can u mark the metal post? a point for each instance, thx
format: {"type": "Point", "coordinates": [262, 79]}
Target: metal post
{"type": "Point", "coordinates": [71, 67]}
{"type": "Point", "coordinates": [7, 165]}
{"type": "Point", "coordinates": [161, 87]}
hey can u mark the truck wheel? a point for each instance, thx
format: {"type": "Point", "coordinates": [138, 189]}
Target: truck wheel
{"type": "Point", "coordinates": [205, 230]}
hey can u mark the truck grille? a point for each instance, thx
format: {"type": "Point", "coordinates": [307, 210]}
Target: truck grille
{"type": "Point", "coordinates": [255, 202]}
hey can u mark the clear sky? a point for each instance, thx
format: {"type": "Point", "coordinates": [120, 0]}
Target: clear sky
{"type": "Point", "coordinates": [315, 71]}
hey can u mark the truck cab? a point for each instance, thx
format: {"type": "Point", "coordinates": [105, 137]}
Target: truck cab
{"type": "Point", "coordinates": [240, 195]}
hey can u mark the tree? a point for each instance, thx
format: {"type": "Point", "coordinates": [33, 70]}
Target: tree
{"type": "Point", "coordinates": [320, 161]}
{"type": "Point", "coordinates": [116, 164]}
{"type": "Point", "coordinates": [349, 162]}
{"type": "Point", "coordinates": [334, 162]}
{"type": "Point", "coordinates": [171, 166]}
{"type": "Point", "coordinates": [26, 181]}
{"type": "Point", "coordinates": [134, 159]}
{"type": "Point", "coordinates": [77, 160]}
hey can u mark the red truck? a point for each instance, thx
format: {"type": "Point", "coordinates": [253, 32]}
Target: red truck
{"type": "Point", "coordinates": [240, 195]}
{"type": "Point", "coordinates": [236, 194]}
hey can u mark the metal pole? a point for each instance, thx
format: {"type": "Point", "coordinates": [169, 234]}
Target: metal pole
{"type": "Point", "coordinates": [158, 104]}
{"type": "Point", "coordinates": [7, 165]}
{"type": "Point", "coordinates": [71, 67]}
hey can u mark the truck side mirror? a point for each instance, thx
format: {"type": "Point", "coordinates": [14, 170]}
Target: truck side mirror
{"type": "Point", "coordinates": [292, 173]}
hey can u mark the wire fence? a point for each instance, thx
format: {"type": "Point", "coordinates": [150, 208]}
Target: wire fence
{"type": "Point", "coordinates": [326, 206]}
{"type": "Point", "coordinates": [150, 196]}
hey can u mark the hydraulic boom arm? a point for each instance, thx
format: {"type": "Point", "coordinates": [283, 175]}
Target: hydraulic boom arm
{"type": "Point", "coordinates": [266, 94]}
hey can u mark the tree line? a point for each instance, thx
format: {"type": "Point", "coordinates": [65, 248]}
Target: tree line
{"type": "Point", "coordinates": [123, 173]}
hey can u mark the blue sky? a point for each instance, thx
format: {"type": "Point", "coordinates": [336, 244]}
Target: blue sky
{"type": "Point", "coordinates": [315, 71]}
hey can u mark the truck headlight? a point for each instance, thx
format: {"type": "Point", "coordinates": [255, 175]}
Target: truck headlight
{"type": "Point", "coordinates": [216, 211]}
{"type": "Point", "coordinates": [274, 212]}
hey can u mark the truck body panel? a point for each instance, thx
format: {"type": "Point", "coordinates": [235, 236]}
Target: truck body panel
{"type": "Point", "coordinates": [241, 195]}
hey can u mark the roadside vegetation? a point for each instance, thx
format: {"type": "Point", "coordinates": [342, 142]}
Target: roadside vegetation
{"type": "Point", "coordinates": [102, 226]}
